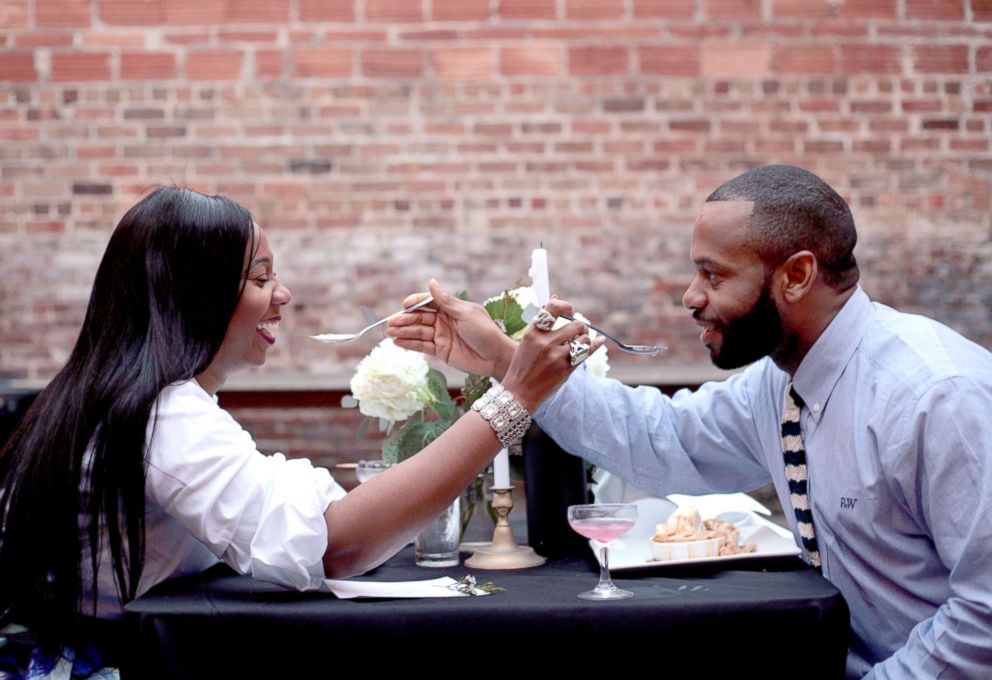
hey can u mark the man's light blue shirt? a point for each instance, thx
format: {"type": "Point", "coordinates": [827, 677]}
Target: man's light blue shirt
{"type": "Point", "coordinates": [898, 433]}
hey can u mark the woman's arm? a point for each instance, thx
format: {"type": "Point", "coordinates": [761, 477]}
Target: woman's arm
{"type": "Point", "coordinates": [379, 517]}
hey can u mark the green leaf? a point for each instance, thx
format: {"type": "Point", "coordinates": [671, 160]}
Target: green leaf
{"type": "Point", "coordinates": [462, 295]}
{"type": "Point", "coordinates": [475, 387]}
{"type": "Point", "coordinates": [513, 318]}
{"type": "Point", "coordinates": [437, 384]}
{"type": "Point", "coordinates": [444, 406]}
{"type": "Point", "coordinates": [497, 307]}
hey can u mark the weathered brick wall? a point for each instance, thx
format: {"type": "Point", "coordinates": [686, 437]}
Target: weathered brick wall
{"type": "Point", "coordinates": [383, 141]}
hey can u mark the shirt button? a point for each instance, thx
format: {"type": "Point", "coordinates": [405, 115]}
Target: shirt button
{"type": "Point", "coordinates": [816, 408]}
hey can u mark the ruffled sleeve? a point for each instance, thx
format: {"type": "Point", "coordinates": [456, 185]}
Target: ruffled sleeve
{"type": "Point", "coordinates": [263, 515]}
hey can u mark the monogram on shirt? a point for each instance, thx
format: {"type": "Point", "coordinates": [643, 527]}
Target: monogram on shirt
{"type": "Point", "coordinates": [847, 503]}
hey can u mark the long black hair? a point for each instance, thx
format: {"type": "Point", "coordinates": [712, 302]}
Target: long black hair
{"type": "Point", "coordinates": [74, 472]}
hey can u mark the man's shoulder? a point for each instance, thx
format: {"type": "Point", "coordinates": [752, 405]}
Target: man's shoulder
{"type": "Point", "coordinates": [919, 352]}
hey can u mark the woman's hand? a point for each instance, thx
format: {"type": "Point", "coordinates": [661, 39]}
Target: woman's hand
{"type": "Point", "coordinates": [459, 332]}
{"type": "Point", "coordinates": [542, 360]}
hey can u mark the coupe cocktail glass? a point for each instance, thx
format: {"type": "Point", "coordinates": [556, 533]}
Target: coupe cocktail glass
{"type": "Point", "coordinates": [603, 522]}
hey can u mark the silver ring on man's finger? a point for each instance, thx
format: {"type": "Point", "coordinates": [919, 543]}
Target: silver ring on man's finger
{"type": "Point", "coordinates": [544, 321]}
{"type": "Point", "coordinates": [578, 351]}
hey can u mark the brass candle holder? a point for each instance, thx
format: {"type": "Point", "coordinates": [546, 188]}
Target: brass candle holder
{"type": "Point", "coordinates": [503, 552]}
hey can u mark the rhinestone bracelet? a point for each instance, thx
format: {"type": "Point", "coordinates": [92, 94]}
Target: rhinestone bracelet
{"type": "Point", "coordinates": [504, 414]}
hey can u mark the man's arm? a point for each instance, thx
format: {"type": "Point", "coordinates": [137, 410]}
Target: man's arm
{"type": "Point", "coordinates": [952, 491]}
{"type": "Point", "coordinates": [696, 442]}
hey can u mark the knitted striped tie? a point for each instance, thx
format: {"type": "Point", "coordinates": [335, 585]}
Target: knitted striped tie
{"type": "Point", "coordinates": [795, 471]}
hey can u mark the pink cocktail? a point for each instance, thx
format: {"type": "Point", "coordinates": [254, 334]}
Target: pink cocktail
{"type": "Point", "coordinates": [602, 529]}
{"type": "Point", "coordinates": [603, 522]}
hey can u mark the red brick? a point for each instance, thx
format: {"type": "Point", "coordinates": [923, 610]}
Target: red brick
{"type": "Point", "coordinates": [733, 9]}
{"type": "Point", "coordinates": [194, 12]}
{"type": "Point", "coordinates": [598, 60]}
{"type": "Point", "coordinates": [736, 59]}
{"type": "Point", "coordinates": [258, 11]}
{"type": "Point", "coordinates": [801, 59]}
{"type": "Point", "coordinates": [49, 13]}
{"type": "Point", "coordinates": [868, 9]}
{"type": "Point", "coordinates": [981, 10]}
{"type": "Point", "coordinates": [665, 9]}
{"type": "Point", "coordinates": [861, 58]}
{"type": "Point", "coordinates": [214, 64]}
{"type": "Point", "coordinates": [147, 65]}
{"type": "Point", "coordinates": [460, 10]}
{"type": "Point", "coordinates": [131, 12]}
{"type": "Point", "coordinates": [983, 59]}
{"type": "Point", "coordinates": [593, 10]}
{"type": "Point", "coordinates": [17, 67]}
{"type": "Point", "coordinates": [462, 62]}
{"type": "Point", "coordinates": [75, 66]}
{"type": "Point", "coordinates": [392, 63]}
{"type": "Point", "coordinates": [327, 10]}
{"type": "Point", "coordinates": [941, 59]}
{"type": "Point", "coordinates": [802, 9]}
{"type": "Point", "coordinates": [494, 33]}
{"type": "Point", "coordinates": [269, 63]}
{"type": "Point", "coordinates": [432, 34]}
{"type": "Point", "coordinates": [527, 9]}
{"type": "Point", "coordinates": [248, 36]}
{"type": "Point", "coordinates": [185, 38]}
{"type": "Point", "coordinates": [669, 61]}
{"type": "Point", "coordinates": [393, 10]}
{"type": "Point", "coordinates": [321, 61]}
{"type": "Point", "coordinates": [530, 61]}
{"type": "Point", "coordinates": [14, 14]}
{"type": "Point", "coordinates": [45, 39]}
{"type": "Point", "coordinates": [935, 9]}
{"type": "Point", "coordinates": [361, 36]}
{"type": "Point", "coordinates": [921, 105]}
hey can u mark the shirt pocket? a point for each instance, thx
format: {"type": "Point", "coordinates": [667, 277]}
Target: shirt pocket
{"type": "Point", "coordinates": [848, 515]}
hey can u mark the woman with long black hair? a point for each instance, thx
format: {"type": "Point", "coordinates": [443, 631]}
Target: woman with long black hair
{"type": "Point", "coordinates": [126, 472]}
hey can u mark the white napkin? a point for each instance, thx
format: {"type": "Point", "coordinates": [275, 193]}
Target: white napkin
{"type": "Point", "coordinates": [611, 489]}
{"type": "Point", "coordinates": [437, 587]}
{"type": "Point", "coordinates": [717, 503]}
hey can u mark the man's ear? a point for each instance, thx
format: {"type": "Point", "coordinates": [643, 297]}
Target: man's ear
{"type": "Point", "coordinates": [794, 278]}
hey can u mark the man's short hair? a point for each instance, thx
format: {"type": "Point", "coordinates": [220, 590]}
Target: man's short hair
{"type": "Point", "coordinates": [796, 210]}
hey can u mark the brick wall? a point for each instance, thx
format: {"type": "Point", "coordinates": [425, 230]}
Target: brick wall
{"type": "Point", "coordinates": [383, 141]}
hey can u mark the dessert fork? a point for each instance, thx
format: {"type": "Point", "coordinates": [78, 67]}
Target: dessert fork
{"type": "Point", "coordinates": [335, 338]}
{"type": "Point", "coordinates": [647, 350]}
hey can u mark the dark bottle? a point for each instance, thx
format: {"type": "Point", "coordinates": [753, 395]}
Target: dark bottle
{"type": "Point", "coordinates": [555, 479]}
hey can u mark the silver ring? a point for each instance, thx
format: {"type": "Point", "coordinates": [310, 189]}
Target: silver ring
{"type": "Point", "coordinates": [544, 320]}
{"type": "Point", "coordinates": [578, 351]}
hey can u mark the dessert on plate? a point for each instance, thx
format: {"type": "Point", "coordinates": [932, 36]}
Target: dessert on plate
{"type": "Point", "coordinates": [687, 536]}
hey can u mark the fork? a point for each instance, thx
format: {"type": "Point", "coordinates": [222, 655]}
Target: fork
{"type": "Point", "coordinates": [335, 338]}
{"type": "Point", "coordinates": [646, 350]}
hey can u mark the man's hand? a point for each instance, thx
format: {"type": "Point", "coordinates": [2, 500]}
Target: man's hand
{"type": "Point", "coordinates": [460, 333]}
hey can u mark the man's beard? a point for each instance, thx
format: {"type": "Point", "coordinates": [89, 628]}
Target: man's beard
{"type": "Point", "coordinates": [754, 334]}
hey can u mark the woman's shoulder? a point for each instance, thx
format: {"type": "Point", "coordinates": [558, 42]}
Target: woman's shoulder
{"type": "Point", "coordinates": [186, 393]}
{"type": "Point", "coordinates": [187, 417]}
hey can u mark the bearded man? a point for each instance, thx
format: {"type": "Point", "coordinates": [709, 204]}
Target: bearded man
{"type": "Point", "coordinates": [875, 426]}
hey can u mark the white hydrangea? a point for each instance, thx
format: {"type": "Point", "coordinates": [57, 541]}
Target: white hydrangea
{"type": "Point", "coordinates": [391, 382]}
{"type": "Point", "coordinates": [599, 363]}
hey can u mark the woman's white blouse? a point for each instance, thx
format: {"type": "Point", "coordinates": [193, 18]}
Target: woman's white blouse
{"type": "Point", "coordinates": [210, 495]}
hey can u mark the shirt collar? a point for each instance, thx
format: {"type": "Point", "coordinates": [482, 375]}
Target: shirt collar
{"type": "Point", "coordinates": [823, 365]}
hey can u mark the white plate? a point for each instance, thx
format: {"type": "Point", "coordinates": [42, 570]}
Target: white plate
{"type": "Point", "coordinates": [633, 549]}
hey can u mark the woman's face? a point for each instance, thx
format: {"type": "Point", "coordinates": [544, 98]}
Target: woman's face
{"type": "Point", "coordinates": [252, 329]}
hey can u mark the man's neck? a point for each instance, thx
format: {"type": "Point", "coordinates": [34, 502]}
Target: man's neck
{"type": "Point", "coordinates": [807, 324]}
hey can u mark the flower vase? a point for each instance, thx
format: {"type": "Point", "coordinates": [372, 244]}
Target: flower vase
{"type": "Point", "coordinates": [437, 543]}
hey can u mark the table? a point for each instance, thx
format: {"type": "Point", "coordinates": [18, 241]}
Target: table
{"type": "Point", "coordinates": [776, 618]}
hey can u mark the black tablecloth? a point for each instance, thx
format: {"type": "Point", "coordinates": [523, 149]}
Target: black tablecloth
{"type": "Point", "coordinates": [774, 619]}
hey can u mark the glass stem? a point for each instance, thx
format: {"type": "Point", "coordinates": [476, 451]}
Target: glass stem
{"type": "Point", "coordinates": [605, 582]}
